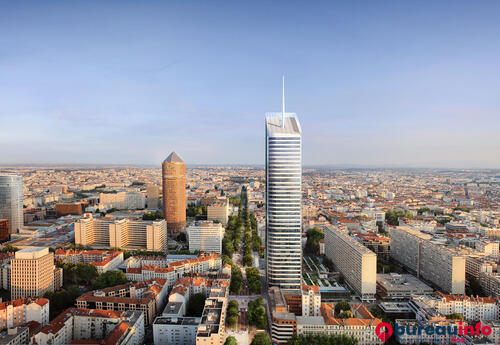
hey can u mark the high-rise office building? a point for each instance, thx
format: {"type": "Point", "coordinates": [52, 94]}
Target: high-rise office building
{"type": "Point", "coordinates": [283, 199]}
{"type": "Point", "coordinates": [174, 193]}
{"type": "Point", "coordinates": [11, 201]}
{"type": "Point", "coordinates": [33, 273]}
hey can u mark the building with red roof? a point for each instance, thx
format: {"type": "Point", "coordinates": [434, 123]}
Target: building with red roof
{"type": "Point", "coordinates": [470, 307]}
{"type": "Point", "coordinates": [170, 271]}
{"type": "Point", "coordinates": [318, 318]}
{"type": "Point", "coordinates": [21, 311]}
{"type": "Point", "coordinates": [147, 296]}
{"type": "Point", "coordinates": [93, 326]}
{"type": "Point", "coordinates": [103, 260]}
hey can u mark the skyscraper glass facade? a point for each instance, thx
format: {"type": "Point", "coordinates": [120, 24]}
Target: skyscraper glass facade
{"type": "Point", "coordinates": [11, 201]}
{"type": "Point", "coordinates": [283, 200]}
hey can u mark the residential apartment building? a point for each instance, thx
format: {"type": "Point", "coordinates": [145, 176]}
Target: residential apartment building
{"type": "Point", "coordinates": [471, 308]}
{"type": "Point", "coordinates": [93, 326]}
{"type": "Point", "coordinates": [140, 270]}
{"type": "Point", "coordinates": [284, 323]}
{"type": "Point", "coordinates": [121, 233]}
{"type": "Point", "coordinates": [103, 260]}
{"type": "Point", "coordinates": [173, 327]}
{"type": "Point", "coordinates": [475, 265]}
{"type": "Point", "coordinates": [33, 273]}
{"type": "Point", "coordinates": [433, 262]}
{"type": "Point", "coordinates": [311, 300]}
{"type": "Point", "coordinates": [380, 245]}
{"type": "Point", "coordinates": [5, 259]}
{"type": "Point", "coordinates": [490, 283]}
{"type": "Point", "coordinates": [21, 311]}
{"type": "Point", "coordinates": [15, 336]}
{"type": "Point", "coordinates": [361, 326]}
{"type": "Point", "coordinates": [211, 329]}
{"type": "Point", "coordinates": [357, 263]}
{"type": "Point", "coordinates": [488, 248]}
{"type": "Point", "coordinates": [205, 236]}
{"type": "Point", "coordinates": [148, 296]}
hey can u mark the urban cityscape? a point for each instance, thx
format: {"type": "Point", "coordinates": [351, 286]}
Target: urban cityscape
{"type": "Point", "coordinates": [293, 247]}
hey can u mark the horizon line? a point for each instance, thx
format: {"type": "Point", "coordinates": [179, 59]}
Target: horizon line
{"type": "Point", "coordinates": [306, 166]}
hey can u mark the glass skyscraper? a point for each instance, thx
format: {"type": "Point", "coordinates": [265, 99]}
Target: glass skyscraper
{"type": "Point", "coordinates": [283, 200]}
{"type": "Point", "coordinates": [11, 201]}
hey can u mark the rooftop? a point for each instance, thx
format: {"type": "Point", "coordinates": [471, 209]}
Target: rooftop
{"type": "Point", "coordinates": [32, 249]}
{"type": "Point", "coordinates": [177, 320]}
{"type": "Point", "coordinates": [273, 124]}
{"type": "Point", "coordinates": [172, 308]}
{"type": "Point", "coordinates": [402, 282]}
{"type": "Point", "coordinates": [173, 158]}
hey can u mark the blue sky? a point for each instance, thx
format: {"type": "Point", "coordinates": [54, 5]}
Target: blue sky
{"type": "Point", "coordinates": [403, 83]}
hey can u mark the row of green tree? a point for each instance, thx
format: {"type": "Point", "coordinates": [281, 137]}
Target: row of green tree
{"type": "Point", "coordinates": [232, 313]}
{"type": "Point", "coordinates": [257, 313]}
{"type": "Point", "coordinates": [236, 284]}
{"type": "Point", "coordinates": [232, 236]}
{"type": "Point", "coordinates": [253, 280]}
{"type": "Point", "coordinates": [247, 259]}
{"type": "Point", "coordinates": [252, 241]}
{"type": "Point", "coordinates": [231, 244]}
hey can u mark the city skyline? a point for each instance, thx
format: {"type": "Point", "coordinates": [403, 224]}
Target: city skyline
{"type": "Point", "coordinates": [420, 96]}
{"type": "Point", "coordinates": [369, 215]}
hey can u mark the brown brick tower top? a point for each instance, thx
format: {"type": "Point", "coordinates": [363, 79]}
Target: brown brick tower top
{"type": "Point", "coordinates": [174, 193]}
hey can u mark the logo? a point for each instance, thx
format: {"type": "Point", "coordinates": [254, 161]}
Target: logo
{"type": "Point", "coordinates": [385, 330]}
{"type": "Point", "coordinates": [384, 333]}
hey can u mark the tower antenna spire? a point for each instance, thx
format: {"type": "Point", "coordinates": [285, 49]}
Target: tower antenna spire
{"type": "Point", "coordinates": [283, 100]}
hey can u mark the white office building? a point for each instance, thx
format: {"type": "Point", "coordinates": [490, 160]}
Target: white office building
{"type": "Point", "coordinates": [205, 236]}
{"type": "Point", "coordinates": [283, 199]}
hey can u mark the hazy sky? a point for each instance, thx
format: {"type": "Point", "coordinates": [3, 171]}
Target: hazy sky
{"type": "Point", "coordinates": [406, 83]}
